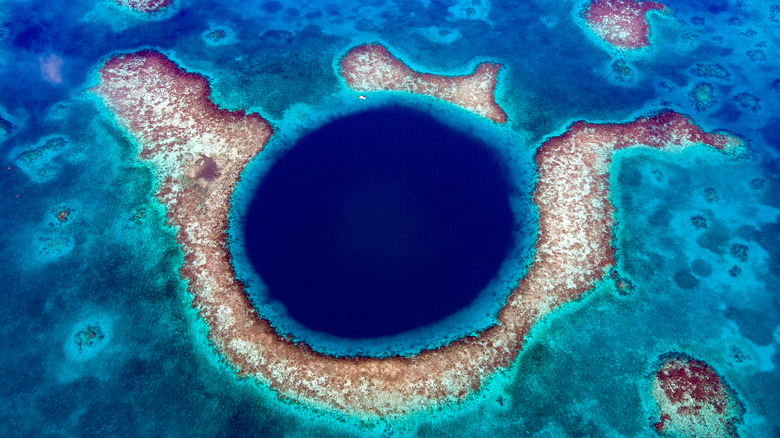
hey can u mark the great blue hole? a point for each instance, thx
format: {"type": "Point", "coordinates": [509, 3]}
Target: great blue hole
{"type": "Point", "coordinates": [378, 223]}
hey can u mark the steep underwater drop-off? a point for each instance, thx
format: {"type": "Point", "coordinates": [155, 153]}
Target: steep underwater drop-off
{"type": "Point", "coordinates": [378, 224]}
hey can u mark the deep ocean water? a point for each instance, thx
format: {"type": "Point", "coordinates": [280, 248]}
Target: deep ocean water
{"type": "Point", "coordinates": [397, 221]}
{"type": "Point", "coordinates": [100, 337]}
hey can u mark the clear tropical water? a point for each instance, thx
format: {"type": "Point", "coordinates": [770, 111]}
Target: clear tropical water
{"type": "Point", "coordinates": [99, 335]}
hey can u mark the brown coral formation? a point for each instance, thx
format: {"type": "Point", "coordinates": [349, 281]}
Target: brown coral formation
{"type": "Point", "coordinates": [371, 67]}
{"type": "Point", "coordinates": [693, 400]}
{"type": "Point", "coordinates": [144, 6]}
{"type": "Point", "coordinates": [622, 23]}
{"type": "Point", "coordinates": [199, 152]}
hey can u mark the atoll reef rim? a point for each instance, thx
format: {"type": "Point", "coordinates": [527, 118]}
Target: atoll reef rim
{"type": "Point", "coordinates": [198, 168]}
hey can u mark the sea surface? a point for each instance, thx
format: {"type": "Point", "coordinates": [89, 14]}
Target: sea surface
{"type": "Point", "coordinates": [379, 223]}
{"type": "Point", "coordinates": [99, 335]}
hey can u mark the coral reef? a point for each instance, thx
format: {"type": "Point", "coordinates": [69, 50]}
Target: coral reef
{"type": "Point", "coordinates": [145, 6]}
{"type": "Point", "coordinates": [198, 152]}
{"type": "Point", "coordinates": [622, 70]}
{"type": "Point", "coordinates": [699, 222]}
{"type": "Point", "coordinates": [716, 71]}
{"type": "Point", "coordinates": [216, 35]}
{"type": "Point", "coordinates": [37, 161]}
{"type": "Point", "coordinates": [63, 215]}
{"type": "Point", "coordinates": [372, 67]}
{"type": "Point", "coordinates": [693, 400]}
{"type": "Point", "coordinates": [756, 55]}
{"type": "Point", "coordinates": [701, 95]}
{"type": "Point", "coordinates": [622, 23]}
{"type": "Point", "coordinates": [748, 101]}
{"type": "Point", "coordinates": [88, 337]}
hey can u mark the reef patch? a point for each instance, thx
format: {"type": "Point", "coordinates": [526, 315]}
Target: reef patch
{"type": "Point", "coordinates": [371, 67]}
{"type": "Point", "coordinates": [88, 338]}
{"type": "Point", "coordinates": [39, 161]}
{"type": "Point", "coordinates": [622, 23]}
{"type": "Point", "coordinates": [144, 6]}
{"type": "Point", "coordinates": [693, 400]}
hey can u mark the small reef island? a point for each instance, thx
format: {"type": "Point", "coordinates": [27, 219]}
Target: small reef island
{"type": "Point", "coordinates": [198, 152]}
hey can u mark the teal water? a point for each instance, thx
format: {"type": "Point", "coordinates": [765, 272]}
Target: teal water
{"type": "Point", "coordinates": [106, 278]}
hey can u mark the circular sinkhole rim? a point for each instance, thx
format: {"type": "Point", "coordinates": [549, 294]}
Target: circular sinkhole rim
{"type": "Point", "coordinates": [518, 171]}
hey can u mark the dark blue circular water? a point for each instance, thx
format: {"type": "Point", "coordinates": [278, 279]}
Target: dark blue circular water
{"type": "Point", "coordinates": [380, 222]}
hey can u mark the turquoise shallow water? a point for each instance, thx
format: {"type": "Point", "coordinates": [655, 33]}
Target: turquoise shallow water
{"type": "Point", "coordinates": [99, 338]}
